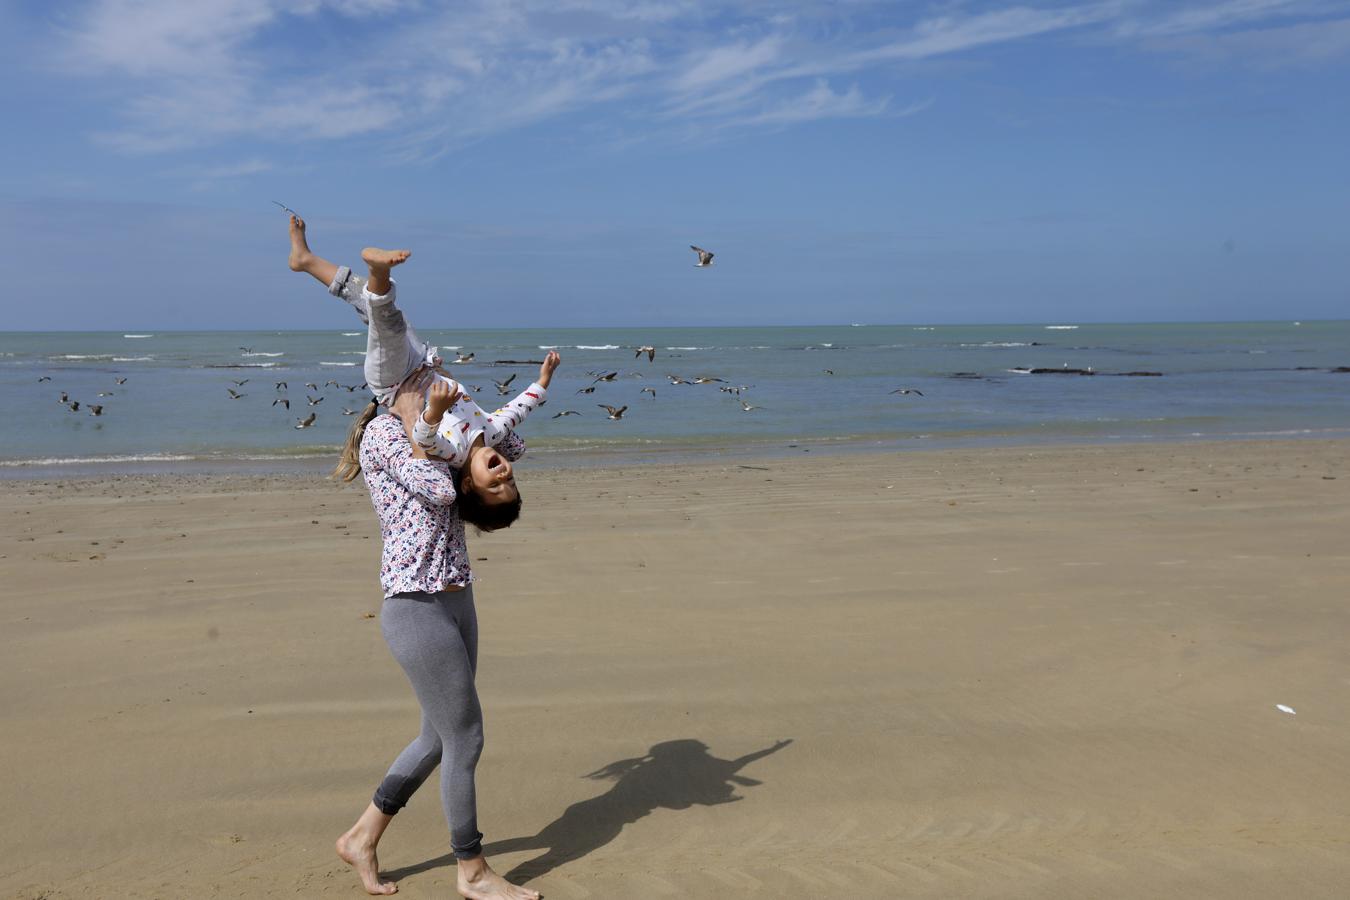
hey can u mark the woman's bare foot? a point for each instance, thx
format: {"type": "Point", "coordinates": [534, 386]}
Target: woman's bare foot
{"type": "Point", "coordinates": [358, 851]}
{"type": "Point", "coordinates": [300, 253]}
{"type": "Point", "coordinates": [477, 881]}
{"type": "Point", "coordinates": [383, 259]}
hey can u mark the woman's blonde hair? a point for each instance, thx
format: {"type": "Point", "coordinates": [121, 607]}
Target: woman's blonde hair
{"type": "Point", "coordinates": [349, 466]}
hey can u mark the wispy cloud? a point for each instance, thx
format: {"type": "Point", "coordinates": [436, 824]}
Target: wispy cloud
{"type": "Point", "coordinates": [425, 79]}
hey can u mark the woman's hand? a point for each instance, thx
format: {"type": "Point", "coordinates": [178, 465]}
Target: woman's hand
{"type": "Point", "coordinates": [546, 370]}
{"type": "Point", "coordinates": [408, 406]}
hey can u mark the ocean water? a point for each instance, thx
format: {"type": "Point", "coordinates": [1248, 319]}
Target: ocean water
{"type": "Point", "coordinates": [810, 386]}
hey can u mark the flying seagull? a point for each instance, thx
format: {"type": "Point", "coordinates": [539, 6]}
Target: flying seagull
{"type": "Point", "coordinates": [747, 407]}
{"type": "Point", "coordinates": [74, 406]}
{"type": "Point", "coordinates": [706, 380]}
{"type": "Point", "coordinates": [283, 401]}
{"type": "Point", "coordinates": [240, 383]}
{"type": "Point", "coordinates": [65, 398]}
{"type": "Point", "coordinates": [281, 385]}
{"type": "Point", "coordinates": [44, 378]}
{"type": "Point", "coordinates": [95, 410]}
{"type": "Point", "coordinates": [461, 358]}
{"type": "Point", "coordinates": [587, 390]}
{"type": "Point", "coordinates": [331, 383]}
{"type": "Point", "coordinates": [122, 380]}
{"type": "Point", "coordinates": [233, 394]}
{"type": "Point", "coordinates": [504, 387]}
{"type": "Point", "coordinates": [348, 412]}
{"type": "Point", "coordinates": [607, 376]}
{"type": "Point", "coordinates": [307, 421]}
{"type": "Point", "coordinates": [311, 385]}
{"type": "Point", "coordinates": [312, 401]}
{"type": "Point", "coordinates": [613, 413]}
{"type": "Point", "coordinates": [704, 257]}
{"type": "Point", "coordinates": [907, 391]}
{"type": "Point", "coordinates": [675, 379]}
{"type": "Point", "coordinates": [566, 412]}
{"type": "Point", "coordinates": [650, 351]}
{"type": "Point", "coordinates": [649, 390]}
{"type": "Point", "coordinates": [247, 349]}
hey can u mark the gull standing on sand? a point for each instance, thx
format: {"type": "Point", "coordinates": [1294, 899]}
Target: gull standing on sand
{"type": "Point", "coordinates": [704, 257]}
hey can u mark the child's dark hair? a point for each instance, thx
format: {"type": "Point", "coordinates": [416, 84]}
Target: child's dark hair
{"type": "Point", "coordinates": [485, 516]}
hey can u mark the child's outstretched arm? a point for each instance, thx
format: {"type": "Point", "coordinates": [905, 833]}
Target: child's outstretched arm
{"type": "Point", "coordinates": [528, 400]}
{"type": "Point", "coordinates": [426, 431]}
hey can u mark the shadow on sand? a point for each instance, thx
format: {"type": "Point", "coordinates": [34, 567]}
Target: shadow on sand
{"type": "Point", "coordinates": [673, 775]}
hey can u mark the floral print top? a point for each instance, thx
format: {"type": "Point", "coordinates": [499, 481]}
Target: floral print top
{"type": "Point", "coordinates": [423, 536]}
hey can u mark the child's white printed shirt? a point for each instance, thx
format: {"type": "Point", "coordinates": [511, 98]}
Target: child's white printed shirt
{"type": "Point", "coordinates": [465, 420]}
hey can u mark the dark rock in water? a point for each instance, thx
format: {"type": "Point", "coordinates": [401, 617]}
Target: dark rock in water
{"type": "Point", "coordinates": [1062, 371]}
{"type": "Point", "coordinates": [1342, 369]}
{"type": "Point", "coordinates": [965, 375]}
{"type": "Point", "coordinates": [1139, 374]}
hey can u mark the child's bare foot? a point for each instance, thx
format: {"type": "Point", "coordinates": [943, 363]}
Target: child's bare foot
{"type": "Point", "coordinates": [300, 253]}
{"type": "Point", "coordinates": [384, 259]}
{"type": "Point", "coordinates": [360, 855]}
{"type": "Point", "coordinates": [477, 881]}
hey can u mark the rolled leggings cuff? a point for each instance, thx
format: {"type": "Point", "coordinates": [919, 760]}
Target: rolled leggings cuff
{"type": "Point", "coordinates": [470, 851]}
{"type": "Point", "coordinates": [338, 286]}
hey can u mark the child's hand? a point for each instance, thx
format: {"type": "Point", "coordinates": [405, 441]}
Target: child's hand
{"type": "Point", "coordinates": [439, 399]}
{"type": "Point", "coordinates": [546, 370]}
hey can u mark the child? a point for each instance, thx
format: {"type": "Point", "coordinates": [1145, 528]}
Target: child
{"type": "Point", "coordinates": [452, 426]}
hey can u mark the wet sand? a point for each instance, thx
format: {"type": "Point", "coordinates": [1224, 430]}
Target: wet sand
{"type": "Point", "coordinates": [986, 673]}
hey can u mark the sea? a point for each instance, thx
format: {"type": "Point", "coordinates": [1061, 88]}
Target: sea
{"type": "Point", "coordinates": [166, 401]}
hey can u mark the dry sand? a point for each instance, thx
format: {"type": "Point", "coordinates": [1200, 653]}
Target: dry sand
{"type": "Point", "coordinates": [1003, 673]}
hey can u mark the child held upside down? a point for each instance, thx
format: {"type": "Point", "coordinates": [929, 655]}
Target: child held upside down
{"type": "Point", "coordinates": [452, 426]}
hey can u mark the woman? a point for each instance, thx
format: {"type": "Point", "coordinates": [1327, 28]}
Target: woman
{"type": "Point", "coordinates": [429, 622]}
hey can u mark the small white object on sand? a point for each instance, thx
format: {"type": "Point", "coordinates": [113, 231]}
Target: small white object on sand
{"type": "Point", "coordinates": [1285, 709]}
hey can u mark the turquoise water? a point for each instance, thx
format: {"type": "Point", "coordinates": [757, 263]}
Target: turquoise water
{"type": "Point", "coordinates": [1218, 381]}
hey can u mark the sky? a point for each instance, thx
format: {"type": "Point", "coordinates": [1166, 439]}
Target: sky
{"type": "Point", "coordinates": [549, 162]}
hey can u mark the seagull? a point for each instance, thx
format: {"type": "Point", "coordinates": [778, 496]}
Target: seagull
{"type": "Point", "coordinates": [587, 390]}
{"type": "Point", "coordinates": [504, 387]}
{"type": "Point", "coordinates": [282, 386]}
{"type": "Point", "coordinates": [74, 406]}
{"type": "Point", "coordinates": [233, 394]}
{"type": "Point", "coordinates": [613, 413]}
{"type": "Point", "coordinates": [247, 349]}
{"type": "Point", "coordinates": [95, 410]}
{"type": "Point", "coordinates": [461, 358]}
{"type": "Point", "coordinates": [708, 380]}
{"type": "Point", "coordinates": [240, 383]}
{"type": "Point", "coordinates": [349, 388]}
{"type": "Point", "coordinates": [105, 393]}
{"type": "Point", "coordinates": [829, 371]}
{"type": "Point", "coordinates": [566, 412]}
{"type": "Point", "coordinates": [348, 412]}
{"type": "Point", "coordinates": [283, 401]}
{"type": "Point", "coordinates": [747, 407]}
{"type": "Point", "coordinates": [331, 383]}
{"type": "Point", "coordinates": [307, 421]}
{"type": "Point", "coordinates": [650, 351]}
{"type": "Point", "coordinates": [311, 385]}
{"type": "Point", "coordinates": [607, 376]}
{"type": "Point", "coordinates": [65, 398]}
{"type": "Point", "coordinates": [675, 379]}
{"type": "Point", "coordinates": [734, 389]}
{"type": "Point", "coordinates": [44, 378]}
{"type": "Point", "coordinates": [122, 380]}
{"type": "Point", "coordinates": [704, 257]}
{"type": "Point", "coordinates": [907, 391]}
{"type": "Point", "coordinates": [649, 390]}
{"type": "Point", "coordinates": [312, 401]}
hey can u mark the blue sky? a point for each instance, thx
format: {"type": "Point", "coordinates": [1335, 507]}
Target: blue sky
{"type": "Point", "coordinates": [549, 161]}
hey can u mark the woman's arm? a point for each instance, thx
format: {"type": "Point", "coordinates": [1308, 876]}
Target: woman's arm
{"type": "Point", "coordinates": [392, 449]}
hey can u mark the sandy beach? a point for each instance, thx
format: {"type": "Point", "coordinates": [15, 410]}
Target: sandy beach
{"type": "Point", "coordinates": [1047, 672]}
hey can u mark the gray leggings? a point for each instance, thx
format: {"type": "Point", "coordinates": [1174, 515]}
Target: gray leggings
{"type": "Point", "coordinates": [434, 637]}
{"type": "Point", "coordinates": [393, 350]}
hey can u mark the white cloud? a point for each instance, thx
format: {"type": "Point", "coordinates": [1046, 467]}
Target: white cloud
{"type": "Point", "coordinates": [430, 78]}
